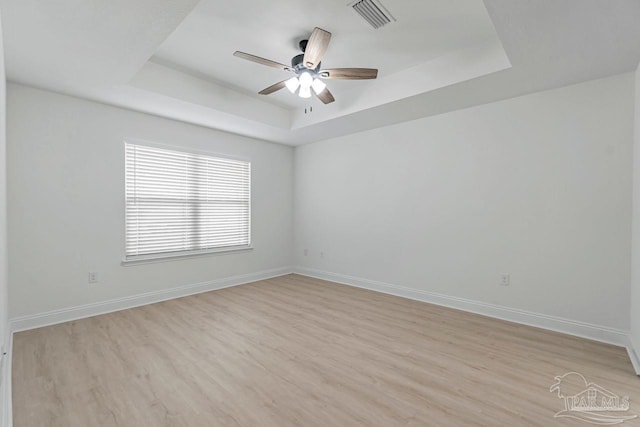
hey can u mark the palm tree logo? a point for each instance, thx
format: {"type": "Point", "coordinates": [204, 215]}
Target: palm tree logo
{"type": "Point", "coordinates": [588, 401]}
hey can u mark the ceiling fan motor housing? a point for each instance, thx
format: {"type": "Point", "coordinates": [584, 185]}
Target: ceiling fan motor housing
{"type": "Point", "coordinates": [297, 61]}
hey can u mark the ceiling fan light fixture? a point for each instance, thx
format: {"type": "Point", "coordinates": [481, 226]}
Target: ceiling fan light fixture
{"type": "Point", "coordinates": [305, 80]}
{"type": "Point", "coordinates": [318, 86]}
{"type": "Point", "coordinates": [292, 84]}
{"type": "Point", "coordinates": [305, 92]}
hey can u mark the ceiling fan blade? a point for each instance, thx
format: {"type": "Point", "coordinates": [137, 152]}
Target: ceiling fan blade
{"type": "Point", "coordinates": [263, 61]}
{"type": "Point", "coordinates": [349, 73]}
{"type": "Point", "coordinates": [325, 96]}
{"type": "Point", "coordinates": [316, 47]}
{"type": "Point", "coordinates": [273, 88]}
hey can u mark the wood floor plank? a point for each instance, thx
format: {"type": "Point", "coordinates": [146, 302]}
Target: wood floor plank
{"type": "Point", "coordinates": [297, 351]}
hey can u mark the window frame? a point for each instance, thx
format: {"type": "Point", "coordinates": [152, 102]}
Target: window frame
{"type": "Point", "coordinates": [178, 255]}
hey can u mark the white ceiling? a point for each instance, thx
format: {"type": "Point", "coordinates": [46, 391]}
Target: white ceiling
{"type": "Point", "coordinates": [70, 44]}
{"type": "Point", "coordinates": [424, 30]}
{"type": "Point", "coordinates": [174, 57]}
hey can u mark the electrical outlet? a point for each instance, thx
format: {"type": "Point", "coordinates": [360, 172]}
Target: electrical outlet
{"type": "Point", "coordinates": [93, 277]}
{"type": "Point", "coordinates": [306, 252]}
{"type": "Point", "coordinates": [505, 279]}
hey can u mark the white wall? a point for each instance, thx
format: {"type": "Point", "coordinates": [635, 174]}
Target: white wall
{"type": "Point", "coordinates": [537, 186]}
{"type": "Point", "coordinates": [4, 331]}
{"type": "Point", "coordinates": [66, 202]}
{"type": "Point", "coordinates": [635, 261]}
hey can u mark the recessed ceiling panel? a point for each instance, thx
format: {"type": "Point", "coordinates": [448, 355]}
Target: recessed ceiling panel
{"type": "Point", "coordinates": [203, 44]}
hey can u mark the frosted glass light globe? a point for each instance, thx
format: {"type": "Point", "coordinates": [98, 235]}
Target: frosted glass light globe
{"type": "Point", "coordinates": [292, 84]}
{"type": "Point", "coordinates": [318, 86]}
{"type": "Point", "coordinates": [306, 80]}
{"type": "Point", "coordinates": [305, 92]}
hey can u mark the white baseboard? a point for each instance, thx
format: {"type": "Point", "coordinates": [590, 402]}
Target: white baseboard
{"type": "Point", "coordinates": [557, 324]}
{"type": "Point", "coordinates": [82, 311]}
{"type": "Point", "coordinates": [633, 355]}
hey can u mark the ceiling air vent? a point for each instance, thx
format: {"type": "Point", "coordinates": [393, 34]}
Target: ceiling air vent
{"type": "Point", "coordinates": [373, 12]}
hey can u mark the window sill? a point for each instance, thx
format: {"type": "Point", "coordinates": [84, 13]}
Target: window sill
{"type": "Point", "coordinates": [152, 259]}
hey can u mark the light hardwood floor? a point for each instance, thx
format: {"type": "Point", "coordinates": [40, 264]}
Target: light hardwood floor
{"type": "Point", "coordinates": [296, 351]}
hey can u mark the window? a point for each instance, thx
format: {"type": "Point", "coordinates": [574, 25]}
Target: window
{"type": "Point", "coordinates": [181, 203]}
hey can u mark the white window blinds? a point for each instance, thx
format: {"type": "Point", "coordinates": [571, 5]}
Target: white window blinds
{"type": "Point", "coordinates": [181, 203]}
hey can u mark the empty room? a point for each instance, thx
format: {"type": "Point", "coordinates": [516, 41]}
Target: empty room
{"type": "Point", "coordinates": [319, 213]}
